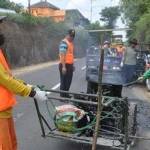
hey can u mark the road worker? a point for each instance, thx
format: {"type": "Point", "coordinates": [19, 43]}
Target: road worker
{"type": "Point", "coordinates": [129, 61]}
{"type": "Point", "coordinates": [120, 49]}
{"type": "Point", "coordinates": [66, 67]}
{"type": "Point", "coordinates": [8, 87]}
{"type": "Point", "coordinates": [108, 51]}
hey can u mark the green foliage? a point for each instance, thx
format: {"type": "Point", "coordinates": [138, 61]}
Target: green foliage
{"type": "Point", "coordinates": [37, 39]}
{"type": "Point", "coordinates": [137, 15]}
{"type": "Point", "coordinates": [57, 29]}
{"type": "Point", "coordinates": [11, 5]}
{"type": "Point", "coordinates": [134, 9]}
{"type": "Point", "coordinates": [26, 19]}
{"type": "Point", "coordinates": [142, 28]}
{"type": "Point", "coordinates": [109, 15]}
{"type": "Point", "coordinates": [95, 25]}
{"type": "Point", "coordinates": [81, 42]}
{"type": "Point", "coordinates": [23, 19]}
{"type": "Point", "coordinates": [96, 36]}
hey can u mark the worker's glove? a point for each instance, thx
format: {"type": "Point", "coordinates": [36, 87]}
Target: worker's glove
{"type": "Point", "coordinates": [41, 95]}
{"type": "Point", "coordinates": [30, 85]}
{"type": "Point", "coordinates": [140, 79]}
{"type": "Point", "coordinates": [38, 94]}
{"type": "Point", "coordinates": [35, 87]}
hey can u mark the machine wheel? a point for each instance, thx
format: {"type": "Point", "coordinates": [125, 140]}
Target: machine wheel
{"type": "Point", "coordinates": [148, 84]}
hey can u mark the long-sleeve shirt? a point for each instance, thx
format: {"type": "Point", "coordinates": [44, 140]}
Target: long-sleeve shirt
{"type": "Point", "coordinates": [14, 85]}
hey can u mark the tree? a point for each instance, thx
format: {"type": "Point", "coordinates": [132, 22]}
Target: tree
{"type": "Point", "coordinates": [29, 8]}
{"type": "Point", "coordinates": [109, 15]}
{"type": "Point", "coordinates": [95, 36]}
{"type": "Point", "coordinates": [142, 31]}
{"type": "Point", "coordinates": [95, 25]}
{"type": "Point", "coordinates": [11, 5]}
{"type": "Point", "coordinates": [134, 9]}
{"type": "Point", "coordinates": [137, 16]}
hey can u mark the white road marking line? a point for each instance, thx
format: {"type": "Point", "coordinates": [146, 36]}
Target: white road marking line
{"type": "Point", "coordinates": [56, 86]}
{"type": "Point", "coordinates": [83, 68]}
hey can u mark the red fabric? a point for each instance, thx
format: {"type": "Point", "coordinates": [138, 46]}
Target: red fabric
{"type": "Point", "coordinates": [7, 134]}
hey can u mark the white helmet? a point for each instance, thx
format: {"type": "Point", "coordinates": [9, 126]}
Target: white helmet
{"type": "Point", "coordinates": [106, 42]}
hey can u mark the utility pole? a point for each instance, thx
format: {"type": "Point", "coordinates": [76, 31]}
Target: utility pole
{"type": "Point", "coordinates": [99, 100]}
{"type": "Point", "coordinates": [29, 8]}
{"type": "Point", "coordinates": [91, 10]}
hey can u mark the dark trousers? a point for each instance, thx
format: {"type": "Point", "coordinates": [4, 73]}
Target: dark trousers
{"type": "Point", "coordinates": [66, 79]}
{"type": "Point", "coordinates": [129, 72]}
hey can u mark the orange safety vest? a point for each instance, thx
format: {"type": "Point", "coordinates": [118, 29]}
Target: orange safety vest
{"type": "Point", "coordinates": [69, 58]}
{"type": "Point", "coordinates": [120, 49]}
{"type": "Point", "coordinates": [7, 98]}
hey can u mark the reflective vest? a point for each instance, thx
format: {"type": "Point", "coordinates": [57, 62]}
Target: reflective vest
{"type": "Point", "coordinates": [69, 58]}
{"type": "Point", "coordinates": [120, 49]}
{"type": "Point", "coordinates": [7, 99]}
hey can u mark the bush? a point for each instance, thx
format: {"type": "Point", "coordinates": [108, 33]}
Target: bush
{"type": "Point", "coordinates": [27, 19]}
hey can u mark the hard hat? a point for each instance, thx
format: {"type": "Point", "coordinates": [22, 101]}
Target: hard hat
{"type": "Point", "coordinates": [106, 42]}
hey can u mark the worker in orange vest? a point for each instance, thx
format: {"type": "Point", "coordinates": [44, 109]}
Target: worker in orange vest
{"type": "Point", "coordinates": [120, 49]}
{"type": "Point", "coordinates": [66, 68]}
{"type": "Point", "coordinates": [8, 87]}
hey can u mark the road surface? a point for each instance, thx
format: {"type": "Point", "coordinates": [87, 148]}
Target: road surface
{"type": "Point", "coordinates": [26, 121]}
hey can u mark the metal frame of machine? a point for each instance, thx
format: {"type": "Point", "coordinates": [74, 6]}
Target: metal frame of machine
{"type": "Point", "coordinates": [110, 139]}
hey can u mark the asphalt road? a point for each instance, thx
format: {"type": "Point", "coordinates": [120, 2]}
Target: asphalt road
{"type": "Point", "coordinates": [26, 121]}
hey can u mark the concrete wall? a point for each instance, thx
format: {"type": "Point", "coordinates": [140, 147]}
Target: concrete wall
{"type": "Point", "coordinates": [30, 44]}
